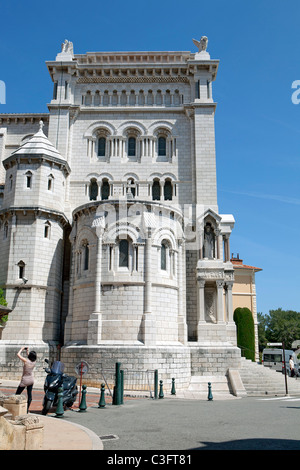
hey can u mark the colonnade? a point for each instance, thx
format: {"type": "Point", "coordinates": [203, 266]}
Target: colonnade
{"type": "Point", "coordinates": [132, 98]}
{"type": "Point", "coordinates": [146, 146]}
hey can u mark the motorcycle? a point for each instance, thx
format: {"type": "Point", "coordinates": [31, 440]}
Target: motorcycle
{"type": "Point", "coordinates": [54, 380]}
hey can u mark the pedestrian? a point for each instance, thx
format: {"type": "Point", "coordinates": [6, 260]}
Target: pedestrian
{"type": "Point", "coordinates": [292, 366]}
{"type": "Point", "coordinates": [27, 379]}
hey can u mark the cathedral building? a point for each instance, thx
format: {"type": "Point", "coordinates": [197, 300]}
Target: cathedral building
{"type": "Point", "coordinates": [111, 242]}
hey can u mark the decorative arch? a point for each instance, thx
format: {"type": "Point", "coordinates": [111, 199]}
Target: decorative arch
{"type": "Point", "coordinates": [97, 126]}
{"type": "Point", "coordinates": [163, 233]}
{"type": "Point", "coordinates": [128, 126]}
{"type": "Point", "coordinates": [122, 230]}
{"type": "Point", "coordinates": [166, 126]}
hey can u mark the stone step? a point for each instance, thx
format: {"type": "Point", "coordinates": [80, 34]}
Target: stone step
{"type": "Point", "coordinates": [219, 384]}
{"type": "Point", "coordinates": [260, 380]}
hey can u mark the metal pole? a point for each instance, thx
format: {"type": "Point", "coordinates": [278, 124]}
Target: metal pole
{"type": "Point", "coordinates": [121, 387]}
{"type": "Point", "coordinates": [117, 392]}
{"type": "Point", "coordinates": [283, 352]}
{"type": "Point", "coordinates": [81, 365]}
{"type": "Point", "coordinates": [155, 384]}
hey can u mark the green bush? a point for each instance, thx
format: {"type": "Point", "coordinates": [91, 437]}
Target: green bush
{"type": "Point", "coordinates": [4, 319]}
{"type": "Point", "coordinates": [245, 332]}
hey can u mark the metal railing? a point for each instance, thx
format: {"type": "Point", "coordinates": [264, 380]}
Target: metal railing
{"type": "Point", "coordinates": [132, 380]}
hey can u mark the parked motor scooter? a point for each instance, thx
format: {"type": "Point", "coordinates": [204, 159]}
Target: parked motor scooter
{"type": "Point", "coordinates": [54, 380]}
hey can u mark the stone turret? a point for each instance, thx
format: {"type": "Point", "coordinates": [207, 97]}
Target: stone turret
{"type": "Point", "coordinates": [33, 243]}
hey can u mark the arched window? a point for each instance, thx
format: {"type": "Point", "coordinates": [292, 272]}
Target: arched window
{"type": "Point", "coordinates": [50, 182]}
{"type": "Point", "coordinates": [163, 256]}
{"type": "Point", "coordinates": [123, 98]}
{"type": "Point", "coordinates": [158, 97]}
{"type": "Point", "coordinates": [177, 98]}
{"type": "Point", "coordinates": [168, 190]}
{"type": "Point", "coordinates": [141, 98]}
{"type": "Point", "coordinates": [93, 189]}
{"type": "Point", "coordinates": [88, 98]}
{"type": "Point", "coordinates": [168, 98]}
{"type": "Point", "coordinates": [105, 190]}
{"type": "Point", "coordinates": [28, 175]}
{"type": "Point", "coordinates": [124, 254]}
{"type": "Point", "coordinates": [162, 146]}
{"type": "Point", "coordinates": [150, 97]}
{"type": "Point", "coordinates": [131, 146]}
{"type": "Point", "coordinates": [47, 228]}
{"type": "Point", "coordinates": [156, 190]}
{"type": "Point", "coordinates": [132, 98]}
{"type": "Point", "coordinates": [105, 98]}
{"type": "Point", "coordinates": [21, 266]}
{"type": "Point", "coordinates": [114, 99]}
{"type": "Point", "coordinates": [101, 146]}
{"type": "Point", "coordinates": [86, 254]}
{"type": "Point", "coordinates": [97, 98]}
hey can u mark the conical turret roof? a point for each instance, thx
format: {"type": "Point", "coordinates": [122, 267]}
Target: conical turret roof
{"type": "Point", "coordinates": [38, 144]}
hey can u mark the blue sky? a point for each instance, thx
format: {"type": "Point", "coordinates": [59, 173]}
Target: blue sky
{"type": "Point", "coordinates": [257, 125]}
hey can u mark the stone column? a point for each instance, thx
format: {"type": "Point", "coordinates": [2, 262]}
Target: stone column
{"type": "Point", "coordinates": [69, 319]}
{"type": "Point", "coordinates": [226, 248]}
{"type": "Point", "coordinates": [219, 250]}
{"type": "Point", "coordinates": [182, 325]}
{"type": "Point", "coordinates": [229, 302]}
{"type": "Point", "coordinates": [95, 321]}
{"type": "Point", "coordinates": [201, 301]}
{"type": "Point", "coordinates": [220, 303]}
{"type": "Point", "coordinates": [149, 324]}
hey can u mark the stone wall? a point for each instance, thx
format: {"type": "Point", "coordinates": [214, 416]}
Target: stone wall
{"type": "Point", "coordinates": [11, 367]}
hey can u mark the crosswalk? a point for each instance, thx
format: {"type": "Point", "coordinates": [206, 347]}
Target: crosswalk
{"type": "Point", "coordinates": [285, 398]}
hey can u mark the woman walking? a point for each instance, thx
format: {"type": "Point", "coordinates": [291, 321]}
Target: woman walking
{"type": "Point", "coordinates": [27, 379]}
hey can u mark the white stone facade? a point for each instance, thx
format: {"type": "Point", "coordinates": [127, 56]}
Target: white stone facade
{"type": "Point", "coordinates": [110, 235]}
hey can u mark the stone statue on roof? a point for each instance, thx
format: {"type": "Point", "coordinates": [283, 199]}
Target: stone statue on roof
{"type": "Point", "coordinates": [202, 44]}
{"type": "Point", "coordinates": [67, 47]}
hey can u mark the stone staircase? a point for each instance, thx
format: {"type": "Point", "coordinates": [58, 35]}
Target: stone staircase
{"type": "Point", "coordinates": [199, 384]}
{"type": "Point", "coordinates": [251, 379]}
{"type": "Point", "coordinates": [260, 381]}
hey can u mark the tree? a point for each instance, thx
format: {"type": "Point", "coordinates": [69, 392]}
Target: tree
{"type": "Point", "coordinates": [245, 332]}
{"type": "Point", "coordinates": [3, 302]}
{"type": "Point", "coordinates": [261, 331]}
{"type": "Point", "coordinates": [280, 326]}
{"type": "Point", "coordinates": [2, 298]}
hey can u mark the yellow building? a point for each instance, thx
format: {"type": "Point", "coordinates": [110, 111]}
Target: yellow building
{"type": "Point", "coordinates": [244, 291]}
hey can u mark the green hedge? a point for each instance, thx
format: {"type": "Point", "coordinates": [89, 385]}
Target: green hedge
{"type": "Point", "coordinates": [245, 332]}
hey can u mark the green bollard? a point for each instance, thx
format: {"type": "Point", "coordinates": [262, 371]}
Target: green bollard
{"type": "Point", "coordinates": [155, 384]}
{"type": "Point", "coordinates": [117, 387]}
{"type": "Point", "coordinates": [161, 392]}
{"type": "Point", "coordinates": [210, 397]}
{"type": "Point", "coordinates": [82, 406]}
{"type": "Point", "coordinates": [121, 387]}
{"type": "Point", "coordinates": [60, 408]}
{"type": "Point", "coordinates": [101, 403]}
{"type": "Point", "coordinates": [173, 392]}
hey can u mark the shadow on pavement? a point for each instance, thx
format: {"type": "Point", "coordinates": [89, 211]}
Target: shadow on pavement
{"type": "Point", "coordinates": [251, 444]}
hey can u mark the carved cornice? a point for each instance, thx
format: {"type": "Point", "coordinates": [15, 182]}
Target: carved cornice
{"type": "Point", "coordinates": [38, 211]}
{"type": "Point", "coordinates": [133, 79]}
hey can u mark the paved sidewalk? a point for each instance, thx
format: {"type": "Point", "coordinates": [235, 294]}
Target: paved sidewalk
{"type": "Point", "coordinates": [60, 434]}
{"type": "Point", "coordinates": [174, 423]}
{"type": "Point", "coordinates": [65, 434]}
